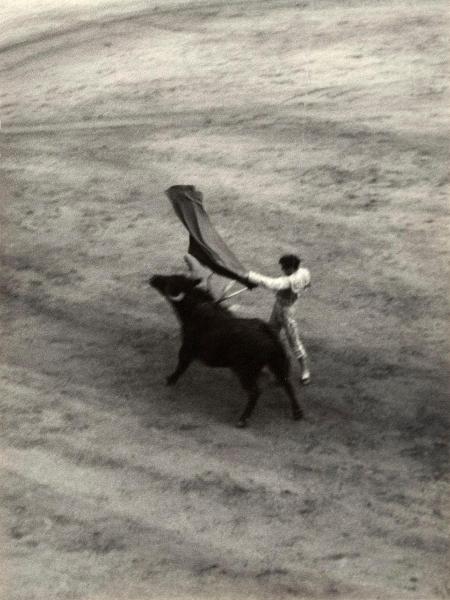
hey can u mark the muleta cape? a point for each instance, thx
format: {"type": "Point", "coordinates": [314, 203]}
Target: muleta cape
{"type": "Point", "coordinates": [205, 244]}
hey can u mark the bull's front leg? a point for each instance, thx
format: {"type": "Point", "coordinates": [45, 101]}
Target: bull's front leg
{"type": "Point", "coordinates": [185, 357]}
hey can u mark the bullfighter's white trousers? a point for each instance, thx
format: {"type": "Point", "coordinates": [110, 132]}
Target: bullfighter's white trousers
{"type": "Point", "coordinates": [284, 322]}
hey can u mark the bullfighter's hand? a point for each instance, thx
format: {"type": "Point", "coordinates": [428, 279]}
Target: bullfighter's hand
{"type": "Point", "coordinates": [249, 283]}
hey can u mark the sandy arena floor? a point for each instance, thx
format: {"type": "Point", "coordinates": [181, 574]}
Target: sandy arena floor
{"type": "Point", "coordinates": [317, 126]}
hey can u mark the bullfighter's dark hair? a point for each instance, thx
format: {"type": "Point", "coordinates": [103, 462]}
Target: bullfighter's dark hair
{"type": "Point", "coordinates": [290, 261]}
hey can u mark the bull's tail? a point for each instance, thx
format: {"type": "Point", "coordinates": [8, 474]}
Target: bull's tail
{"type": "Point", "coordinates": [278, 361]}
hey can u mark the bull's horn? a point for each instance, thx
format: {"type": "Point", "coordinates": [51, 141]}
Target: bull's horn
{"type": "Point", "coordinates": [178, 298]}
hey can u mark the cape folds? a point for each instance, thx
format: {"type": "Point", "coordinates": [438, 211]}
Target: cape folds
{"type": "Point", "coordinates": [205, 244]}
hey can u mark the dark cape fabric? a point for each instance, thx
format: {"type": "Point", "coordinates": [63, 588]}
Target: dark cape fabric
{"type": "Point", "coordinates": [205, 244]}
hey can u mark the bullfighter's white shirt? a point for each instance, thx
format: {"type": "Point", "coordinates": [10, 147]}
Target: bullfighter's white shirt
{"type": "Point", "coordinates": [287, 287]}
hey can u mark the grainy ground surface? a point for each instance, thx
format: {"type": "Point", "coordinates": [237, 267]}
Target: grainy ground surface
{"type": "Point", "coordinates": [314, 126]}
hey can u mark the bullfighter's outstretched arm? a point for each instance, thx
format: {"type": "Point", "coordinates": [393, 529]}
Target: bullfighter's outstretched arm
{"type": "Point", "coordinates": [271, 283]}
{"type": "Point", "coordinates": [297, 281]}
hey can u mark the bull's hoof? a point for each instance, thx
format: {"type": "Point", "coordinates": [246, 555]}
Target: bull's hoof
{"type": "Point", "coordinates": [242, 423]}
{"type": "Point", "coordinates": [297, 415]}
{"type": "Point", "coordinates": [171, 380]}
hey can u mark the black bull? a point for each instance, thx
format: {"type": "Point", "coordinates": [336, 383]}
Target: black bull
{"type": "Point", "coordinates": [213, 335]}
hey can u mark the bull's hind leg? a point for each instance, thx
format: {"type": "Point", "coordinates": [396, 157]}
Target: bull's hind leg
{"type": "Point", "coordinates": [250, 385]}
{"type": "Point", "coordinates": [185, 357]}
{"type": "Point", "coordinates": [279, 366]}
{"type": "Point", "coordinates": [297, 412]}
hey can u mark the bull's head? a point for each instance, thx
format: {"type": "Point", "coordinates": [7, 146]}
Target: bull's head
{"type": "Point", "coordinates": [173, 287]}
